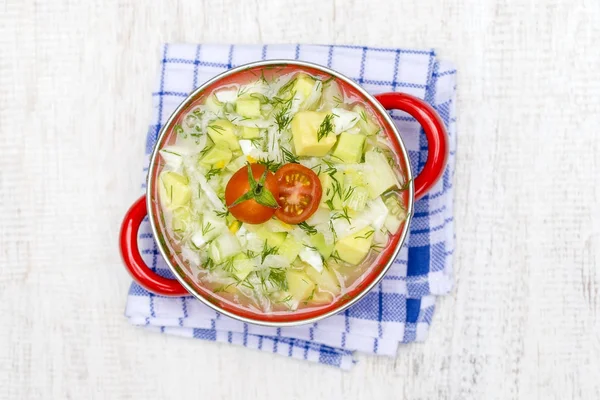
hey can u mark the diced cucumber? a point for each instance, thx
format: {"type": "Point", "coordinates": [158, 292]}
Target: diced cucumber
{"type": "Point", "coordinates": [273, 239]}
{"type": "Point", "coordinates": [249, 132]}
{"type": "Point", "coordinates": [319, 242]}
{"type": "Point", "coordinates": [236, 163]}
{"type": "Point", "coordinates": [174, 190]}
{"type": "Point", "coordinates": [349, 148]}
{"type": "Point", "coordinates": [311, 257]}
{"type": "Point", "coordinates": [223, 131]}
{"type": "Point", "coordinates": [332, 95]}
{"type": "Point", "coordinates": [325, 280]}
{"type": "Point", "coordinates": [218, 156]}
{"type": "Point", "coordinates": [366, 124]}
{"type": "Point", "coordinates": [332, 185]}
{"type": "Point", "coordinates": [290, 248]}
{"type": "Point", "coordinates": [180, 219]}
{"type": "Point", "coordinates": [299, 285]}
{"type": "Point", "coordinates": [304, 127]}
{"type": "Point", "coordinates": [382, 177]}
{"type": "Point", "coordinates": [354, 248]}
{"type": "Point", "coordinates": [249, 107]}
{"type": "Point", "coordinates": [242, 266]}
{"type": "Point", "coordinates": [392, 223]}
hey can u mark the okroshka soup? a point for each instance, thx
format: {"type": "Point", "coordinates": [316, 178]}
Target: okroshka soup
{"type": "Point", "coordinates": [278, 191]}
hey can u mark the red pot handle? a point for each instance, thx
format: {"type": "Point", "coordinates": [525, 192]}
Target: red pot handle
{"type": "Point", "coordinates": [130, 251]}
{"type": "Point", "coordinates": [435, 131]}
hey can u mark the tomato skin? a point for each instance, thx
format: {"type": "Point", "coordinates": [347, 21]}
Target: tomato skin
{"type": "Point", "coordinates": [250, 211]}
{"type": "Point", "coordinates": [299, 188]}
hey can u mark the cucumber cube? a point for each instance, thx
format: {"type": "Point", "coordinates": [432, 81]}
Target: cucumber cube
{"type": "Point", "coordinates": [223, 131]}
{"type": "Point", "coordinates": [273, 239]}
{"type": "Point", "coordinates": [332, 190]}
{"type": "Point", "coordinates": [218, 156]}
{"type": "Point", "coordinates": [319, 242]}
{"type": "Point", "coordinates": [382, 177]}
{"type": "Point", "coordinates": [249, 132]}
{"type": "Point", "coordinates": [249, 108]}
{"type": "Point", "coordinates": [349, 148]}
{"type": "Point", "coordinates": [242, 266]}
{"type": "Point", "coordinates": [174, 190]}
{"type": "Point", "coordinates": [290, 248]}
{"type": "Point", "coordinates": [366, 124]}
{"type": "Point", "coordinates": [304, 85]}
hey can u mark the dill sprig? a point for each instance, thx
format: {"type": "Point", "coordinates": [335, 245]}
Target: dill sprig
{"type": "Point", "coordinates": [267, 251]}
{"type": "Point", "coordinates": [309, 229]}
{"type": "Point", "coordinates": [325, 128]}
{"type": "Point", "coordinates": [288, 156]}
{"type": "Point", "coordinates": [212, 172]}
{"type": "Point", "coordinates": [287, 86]}
{"type": "Point", "coordinates": [178, 129]}
{"type": "Point", "coordinates": [271, 165]}
{"type": "Point", "coordinates": [283, 117]}
{"type": "Point", "coordinates": [348, 193]}
{"type": "Point", "coordinates": [342, 214]}
{"type": "Point", "coordinates": [277, 277]}
{"type": "Point", "coordinates": [366, 235]}
{"type": "Point", "coordinates": [206, 229]}
{"type": "Point", "coordinates": [221, 214]}
{"type": "Point", "coordinates": [311, 296]}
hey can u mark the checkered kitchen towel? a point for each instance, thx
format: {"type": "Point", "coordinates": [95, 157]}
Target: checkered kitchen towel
{"type": "Point", "coordinates": [400, 308]}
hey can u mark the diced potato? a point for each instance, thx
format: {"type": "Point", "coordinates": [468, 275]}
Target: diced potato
{"type": "Point", "coordinates": [249, 108]}
{"type": "Point", "coordinates": [354, 248]}
{"type": "Point", "coordinates": [223, 131]}
{"type": "Point", "coordinates": [325, 280]}
{"type": "Point", "coordinates": [299, 285]}
{"type": "Point", "coordinates": [174, 190]}
{"type": "Point", "coordinates": [305, 126]}
{"type": "Point", "coordinates": [304, 85]}
{"type": "Point", "coordinates": [349, 148]}
{"type": "Point", "coordinates": [180, 219]}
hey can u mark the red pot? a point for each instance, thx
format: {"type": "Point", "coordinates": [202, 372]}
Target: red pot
{"type": "Point", "coordinates": [186, 282]}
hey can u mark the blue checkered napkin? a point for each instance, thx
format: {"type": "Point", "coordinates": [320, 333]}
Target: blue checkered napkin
{"type": "Point", "coordinates": [400, 308]}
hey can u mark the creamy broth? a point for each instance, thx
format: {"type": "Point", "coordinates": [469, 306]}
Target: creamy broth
{"type": "Point", "coordinates": [292, 118]}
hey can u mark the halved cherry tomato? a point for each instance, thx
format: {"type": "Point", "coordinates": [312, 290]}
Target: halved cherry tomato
{"type": "Point", "coordinates": [250, 210]}
{"type": "Point", "coordinates": [299, 193]}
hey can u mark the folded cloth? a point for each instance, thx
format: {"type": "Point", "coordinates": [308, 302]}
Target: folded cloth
{"type": "Point", "coordinates": [400, 308]}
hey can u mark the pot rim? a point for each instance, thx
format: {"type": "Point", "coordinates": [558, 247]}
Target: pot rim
{"type": "Point", "coordinates": [373, 103]}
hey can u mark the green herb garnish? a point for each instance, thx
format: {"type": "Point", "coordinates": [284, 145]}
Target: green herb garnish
{"type": "Point", "coordinates": [258, 192]}
{"type": "Point", "coordinates": [325, 128]}
{"type": "Point", "coordinates": [366, 235]}
{"type": "Point", "coordinates": [309, 229]}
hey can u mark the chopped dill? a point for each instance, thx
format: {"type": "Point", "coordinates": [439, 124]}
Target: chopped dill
{"type": "Point", "coordinates": [366, 235]}
{"type": "Point", "coordinates": [287, 86]}
{"type": "Point", "coordinates": [311, 296]}
{"type": "Point", "coordinates": [363, 115]}
{"type": "Point", "coordinates": [212, 172]}
{"type": "Point", "coordinates": [178, 129]}
{"type": "Point", "coordinates": [267, 251]}
{"type": "Point", "coordinates": [221, 214]}
{"type": "Point", "coordinates": [325, 128]}
{"type": "Point", "coordinates": [309, 229]}
{"type": "Point", "coordinates": [338, 100]}
{"type": "Point", "coordinates": [342, 214]}
{"type": "Point", "coordinates": [348, 193]}
{"type": "Point", "coordinates": [277, 278]}
{"type": "Point", "coordinates": [206, 229]}
{"type": "Point", "coordinates": [288, 156]}
{"type": "Point", "coordinates": [271, 165]}
{"type": "Point", "coordinates": [217, 128]}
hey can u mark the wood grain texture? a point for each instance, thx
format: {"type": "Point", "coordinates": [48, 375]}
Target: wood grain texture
{"type": "Point", "coordinates": [523, 320]}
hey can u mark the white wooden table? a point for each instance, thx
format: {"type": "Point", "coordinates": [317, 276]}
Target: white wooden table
{"type": "Point", "coordinates": [524, 318]}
